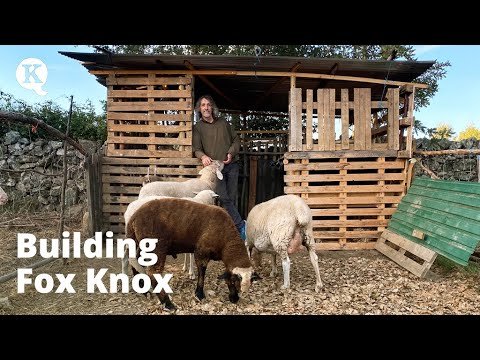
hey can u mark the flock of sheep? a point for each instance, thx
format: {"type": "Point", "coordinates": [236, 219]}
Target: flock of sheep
{"type": "Point", "coordinates": [183, 216]}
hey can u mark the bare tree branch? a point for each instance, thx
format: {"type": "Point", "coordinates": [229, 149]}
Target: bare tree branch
{"type": "Point", "coordinates": [16, 117]}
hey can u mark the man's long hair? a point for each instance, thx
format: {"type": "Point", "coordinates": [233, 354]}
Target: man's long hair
{"type": "Point", "coordinates": [215, 111]}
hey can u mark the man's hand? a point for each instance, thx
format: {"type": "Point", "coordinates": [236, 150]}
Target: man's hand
{"type": "Point", "coordinates": [206, 160]}
{"type": "Point", "coordinates": [229, 159]}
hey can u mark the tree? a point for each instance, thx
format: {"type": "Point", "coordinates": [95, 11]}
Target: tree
{"type": "Point", "coordinates": [443, 131]}
{"type": "Point", "coordinates": [373, 52]}
{"type": "Point", "coordinates": [471, 131]}
{"type": "Point", "coordinates": [85, 123]}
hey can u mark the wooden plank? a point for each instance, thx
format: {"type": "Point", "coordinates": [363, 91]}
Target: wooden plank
{"type": "Point", "coordinates": [405, 262]}
{"type": "Point", "coordinates": [321, 120]}
{"type": "Point", "coordinates": [347, 234]}
{"type": "Point", "coordinates": [146, 106]}
{"type": "Point", "coordinates": [364, 200]}
{"type": "Point", "coordinates": [149, 93]}
{"type": "Point", "coordinates": [417, 249]}
{"type": "Point", "coordinates": [353, 165]}
{"type": "Point", "coordinates": [129, 116]}
{"type": "Point", "coordinates": [331, 120]}
{"type": "Point", "coordinates": [165, 161]}
{"type": "Point", "coordinates": [148, 140]}
{"type": "Point", "coordinates": [340, 154]}
{"type": "Point", "coordinates": [347, 246]}
{"type": "Point", "coordinates": [418, 234]}
{"type": "Point", "coordinates": [309, 126]}
{"type": "Point", "coordinates": [252, 189]}
{"type": "Point", "coordinates": [367, 94]}
{"type": "Point", "coordinates": [353, 212]}
{"type": "Point", "coordinates": [345, 120]}
{"type": "Point", "coordinates": [342, 189]}
{"type": "Point", "coordinates": [358, 133]}
{"type": "Point", "coordinates": [148, 153]}
{"type": "Point", "coordinates": [156, 129]}
{"type": "Point", "coordinates": [261, 73]}
{"type": "Point", "coordinates": [348, 223]}
{"type": "Point", "coordinates": [108, 189]}
{"type": "Point", "coordinates": [118, 199]}
{"type": "Point", "coordinates": [111, 80]}
{"type": "Point", "coordinates": [348, 177]}
{"type": "Point", "coordinates": [293, 128]}
{"type": "Point", "coordinates": [142, 171]}
{"type": "Point", "coordinates": [396, 123]}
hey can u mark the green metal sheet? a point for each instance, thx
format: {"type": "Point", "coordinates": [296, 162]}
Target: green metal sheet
{"type": "Point", "coordinates": [447, 212]}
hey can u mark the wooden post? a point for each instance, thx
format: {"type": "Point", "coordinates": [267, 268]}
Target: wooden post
{"type": "Point", "coordinates": [93, 167]}
{"type": "Point", "coordinates": [478, 167]}
{"type": "Point", "coordinates": [252, 188]}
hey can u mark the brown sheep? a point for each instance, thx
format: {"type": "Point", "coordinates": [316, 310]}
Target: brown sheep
{"type": "Point", "coordinates": [183, 226]}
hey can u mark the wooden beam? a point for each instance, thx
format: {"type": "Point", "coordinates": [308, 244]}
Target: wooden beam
{"type": "Point", "coordinates": [261, 73]}
{"type": "Point", "coordinates": [274, 86]}
{"type": "Point", "coordinates": [213, 87]}
{"type": "Point", "coordinates": [249, 112]}
{"type": "Point", "coordinates": [332, 71]}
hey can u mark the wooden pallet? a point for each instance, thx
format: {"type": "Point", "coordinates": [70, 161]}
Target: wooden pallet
{"type": "Point", "coordinates": [352, 196]}
{"type": "Point", "coordinates": [402, 248]}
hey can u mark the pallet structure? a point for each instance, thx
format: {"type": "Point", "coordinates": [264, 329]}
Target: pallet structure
{"type": "Point", "coordinates": [149, 124]}
{"type": "Point", "coordinates": [352, 177]}
{"type": "Point", "coordinates": [345, 151]}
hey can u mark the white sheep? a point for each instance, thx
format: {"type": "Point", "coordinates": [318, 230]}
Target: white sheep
{"type": "Point", "coordinates": [3, 197]}
{"type": "Point", "coordinates": [207, 197]}
{"type": "Point", "coordinates": [207, 181]}
{"type": "Point", "coordinates": [280, 226]}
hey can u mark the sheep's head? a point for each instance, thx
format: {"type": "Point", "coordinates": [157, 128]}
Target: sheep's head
{"type": "Point", "coordinates": [242, 278]}
{"type": "Point", "coordinates": [215, 167]}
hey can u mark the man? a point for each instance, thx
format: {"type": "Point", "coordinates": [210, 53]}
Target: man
{"type": "Point", "coordinates": [215, 139]}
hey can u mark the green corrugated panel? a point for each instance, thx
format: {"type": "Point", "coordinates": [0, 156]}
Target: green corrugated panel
{"type": "Point", "coordinates": [447, 212]}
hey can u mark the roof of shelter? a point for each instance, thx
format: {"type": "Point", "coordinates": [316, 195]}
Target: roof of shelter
{"type": "Point", "coordinates": [248, 92]}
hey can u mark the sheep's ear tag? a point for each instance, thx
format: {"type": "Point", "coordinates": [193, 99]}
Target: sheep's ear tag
{"type": "Point", "coordinates": [219, 174]}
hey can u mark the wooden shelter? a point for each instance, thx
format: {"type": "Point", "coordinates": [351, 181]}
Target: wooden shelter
{"type": "Point", "coordinates": [349, 136]}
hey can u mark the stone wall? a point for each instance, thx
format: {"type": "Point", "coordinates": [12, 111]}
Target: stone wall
{"type": "Point", "coordinates": [33, 171]}
{"type": "Point", "coordinates": [449, 167]}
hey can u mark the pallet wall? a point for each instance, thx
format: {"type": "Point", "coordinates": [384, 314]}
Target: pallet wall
{"type": "Point", "coordinates": [352, 196]}
{"type": "Point", "coordinates": [149, 116]}
{"type": "Point", "coordinates": [149, 124]}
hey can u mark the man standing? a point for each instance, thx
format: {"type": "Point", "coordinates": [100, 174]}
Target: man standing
{"type": "Point", "coordinates": [215, 139]}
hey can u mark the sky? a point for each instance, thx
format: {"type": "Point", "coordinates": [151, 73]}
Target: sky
{"type": "Point", "coordinates": [456, 103]}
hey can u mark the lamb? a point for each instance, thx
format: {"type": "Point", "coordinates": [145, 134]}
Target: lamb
{"type": "Point", "coordinates": [207, 197]}
{"type": "Point", "coordinates": [188, 188]}
{"type": "Point", "coordinates": [183, 226]}
{"type": "Point", "coordinates": [280, 226]}
{"type": "Point", "coordinates": [3, 197]}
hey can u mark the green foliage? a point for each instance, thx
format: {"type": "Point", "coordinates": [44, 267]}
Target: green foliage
{"type": "Point", "coordinates": [471, 131]}
{"type": "Point", "coordinates": [443, 131]}
{"type": "Point", "coordinates": [85, 123]}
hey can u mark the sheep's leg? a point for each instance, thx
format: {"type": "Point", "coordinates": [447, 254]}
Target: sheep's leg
{"type": "Point", "coordinates": [201, 269]}
{"type": "Point", "coordinates": [309, 243]}
{"type": "Point", "coordinates": [191, 273]}
{"type": "Point", "coordinates": [232, 290]}
{"type": "Point", "coordinates": [125, 262]}
{"type": "Point", "coordinates": [273, 273]}
{"type": "Point", "coordinates": [286, 270]}
{"type": "Point", "coordinates": [185, 263]}
{"type": "Point", "coordinates": [158, 269]}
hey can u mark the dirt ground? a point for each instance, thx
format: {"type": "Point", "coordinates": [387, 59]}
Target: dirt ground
{"type": "Point", "coordinates": [355, 282]}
